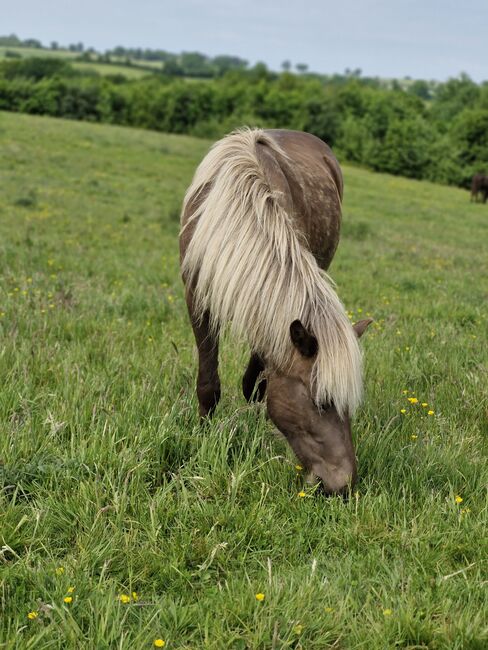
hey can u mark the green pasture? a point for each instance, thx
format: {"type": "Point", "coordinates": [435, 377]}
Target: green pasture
{"type": "Point", "coordinates": [130, 72]}
{"type": "Point", "coordinates": [26, 52]}
{"type": "Point", "coordinates": [134, 71]}
{"type": "Point", "coordinates": [123, 521]}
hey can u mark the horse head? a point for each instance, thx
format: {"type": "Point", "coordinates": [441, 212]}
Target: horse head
{"type": "Point", "coordinates": [320, 437]}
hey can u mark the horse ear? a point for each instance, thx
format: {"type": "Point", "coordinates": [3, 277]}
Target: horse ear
{"type": "Point", "coordinates": [361, 325]}
{"type": "Point", "coordinates": [304, 342]}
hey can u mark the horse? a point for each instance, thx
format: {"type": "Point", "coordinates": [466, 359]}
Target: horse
{"type": "Point", "coordinates": [259, 227]}
{"type": "Point", "coordinates": [479, 185]}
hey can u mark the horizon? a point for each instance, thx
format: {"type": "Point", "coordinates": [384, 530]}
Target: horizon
{"type": "Point", "coordinates": [432, 41]}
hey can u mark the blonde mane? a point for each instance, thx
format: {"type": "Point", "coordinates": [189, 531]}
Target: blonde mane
{"type": "Point", "coordinates": [249, 267]}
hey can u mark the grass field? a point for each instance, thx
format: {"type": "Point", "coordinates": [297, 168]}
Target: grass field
{"type": "Point", "coordinates": [26, 52]}
{"type": "Point", "coordinates": [134, 71]}
{"type": "Point", "coordinates": [103, 69]}
{"type": "Point", "coordinates": [123, 521]}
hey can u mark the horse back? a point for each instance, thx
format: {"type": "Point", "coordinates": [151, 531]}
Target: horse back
{"type": "Point", "coordinates": [313, 178]}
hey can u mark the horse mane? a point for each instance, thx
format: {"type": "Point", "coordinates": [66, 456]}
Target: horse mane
{"type": "Point", "coordinates": [248, 266]}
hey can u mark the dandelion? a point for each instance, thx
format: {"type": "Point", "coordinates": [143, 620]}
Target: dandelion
{"type": "Point", "coordinates": [297, 629]}
{"type": "Point", "coordinates": [124, 598]}
{"type": "Point", "coordinates": [298, 468]}
{"type": "Point", "coordinates": [413, 400]}
{"type": "Point", "coordinates": [60, 571]}
{"type": "Point", "coordinates": [430, 412]}
{"type": "Point", "coordinates": [68, 599]}
{"type": "Point", "coordinates": [32, 615]}
{"type": "Point", "coordinates": [387, 612]}
{"type": "Point", "coordinates": [302, 494]}
{"type": "Point", "coordinates": [458, 499]}
{"type": "Point", "coordinates": [425, 404]}
{"type": "Point", "coordinates": [260, 597]}
{"type": "Point", "coordinates": [135, 597]}
{"type": "Point", "coordinates": [159, 643]}
{"type": "Point", "coordinates": [413, 436]}
{"type": "Point", "coordinates": [403, 410]}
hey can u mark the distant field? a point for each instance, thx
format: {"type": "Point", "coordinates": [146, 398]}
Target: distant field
{"type": "Point", "coordinates": [34, 51]}
{"type": "Point", "coordinates": [130, 71]}
{"type": "Point", "coordinates": [115, 498]}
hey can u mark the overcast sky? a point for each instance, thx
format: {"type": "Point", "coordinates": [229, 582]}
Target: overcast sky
{"type": "Point", "coordinates": [431, 39]}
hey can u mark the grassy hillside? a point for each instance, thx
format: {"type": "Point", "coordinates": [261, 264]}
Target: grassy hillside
{"type": "Point", "coordinates": [122, 521]}
{"type": "Point", "coordinates": [134, 71]}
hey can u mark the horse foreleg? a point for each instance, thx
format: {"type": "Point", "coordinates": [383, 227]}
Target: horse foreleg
{"type": "Point", "coordinates": [208, 381]}
{"type": "Point", "coordinates": [254, 369]}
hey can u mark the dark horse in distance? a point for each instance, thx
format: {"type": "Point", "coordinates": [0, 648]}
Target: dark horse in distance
{"type": "Point", "coordinates": [479, 187]}
{"type": "Point", "coordinates": [259, 226]}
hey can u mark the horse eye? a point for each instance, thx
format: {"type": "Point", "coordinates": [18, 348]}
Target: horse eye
{"type": "Point", "coordinates": [322, 406]}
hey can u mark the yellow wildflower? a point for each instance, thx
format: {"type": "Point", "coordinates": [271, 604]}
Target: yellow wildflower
{"type": "Point", "coordinates": [413, 436]}
{"type": "Point", "coordinates": [135, 597]}
{"type": "Point", "coordinates": [465, 511]}
{"type": "Point", "coordinates": [302, 494]}
{"type": "Point", "coordinates": [68, 599]}
{"type": "Point", "coordinates": [298, 468]}
{"type": "Point", "coordinates": [458, 499]}
{"type": "Point", "coordinates": [260, 597]}
{"type": "Point", "coordinates": [430, 412]}
{"type": "Point", "coordinates": [70, 590]}
{"type": "Point", "coordinates": [32, 615]}
{"type": "Point", "coordinates": [403, 410]}
{"type": "Point", "coordinates": [425, 404]}
{"type": "Point", "coordinates": [59, 571]}
{"type": "Point", "coordinates": [413, 400]}
{"type": "Point", "coordinates": [124, 598]}
{"type": "Point", "coordinates": [387, 612]}
{"type": "Point", "coordinates": [159, 643]}
{"type": "Point", "coordinates": [405, 392]}
{"type": "Point", "coordinates": [329, 610]}
{"type": "Point", "coordinates": [297, 629]}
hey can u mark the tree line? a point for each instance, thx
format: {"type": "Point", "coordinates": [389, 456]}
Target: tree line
{"type": "Point", "coordinates": [421, 131]}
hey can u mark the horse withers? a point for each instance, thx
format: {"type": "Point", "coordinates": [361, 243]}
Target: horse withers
{"type": "Point", "coordinates": [259, 226]}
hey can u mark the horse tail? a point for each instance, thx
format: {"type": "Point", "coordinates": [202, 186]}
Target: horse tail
{"type": "Point", "coordinates": [249, 266]}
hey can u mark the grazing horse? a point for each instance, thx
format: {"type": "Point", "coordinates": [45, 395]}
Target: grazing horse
{"type": "Point", "coordinates": [479, 185]}
{"type": "Point", "coordinates": [260, 224]}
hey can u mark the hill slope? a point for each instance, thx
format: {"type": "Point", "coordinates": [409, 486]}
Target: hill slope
{"type": "Point", "coordinates": [110, 486]}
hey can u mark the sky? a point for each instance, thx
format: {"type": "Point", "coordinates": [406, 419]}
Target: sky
{"type": "Point", "coordinates": [427, 39]}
